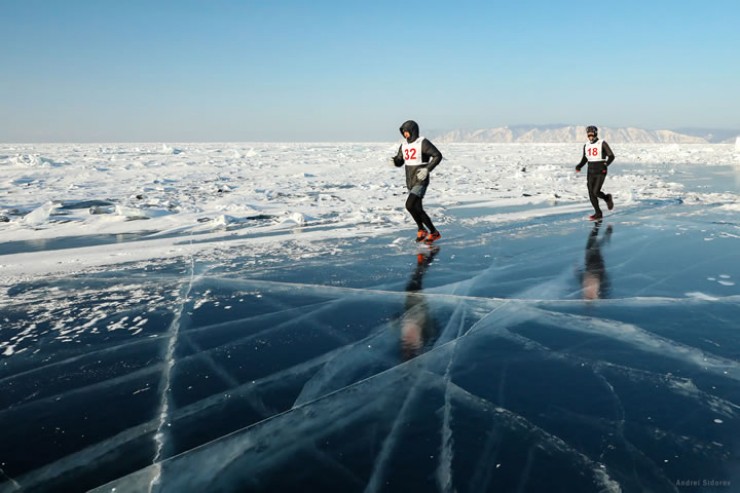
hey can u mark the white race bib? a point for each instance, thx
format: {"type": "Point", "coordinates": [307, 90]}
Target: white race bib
{"type": "Point", "coordinates": [412, 152]}
{"type": "Point", "coordinates": [593, 151]}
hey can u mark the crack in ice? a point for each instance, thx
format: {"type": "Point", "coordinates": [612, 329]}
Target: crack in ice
{"type": "Point", "coordinates": [165, 386]}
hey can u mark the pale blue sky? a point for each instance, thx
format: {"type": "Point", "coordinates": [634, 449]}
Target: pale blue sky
{"type": "Point", "coordinates": [278, 70]}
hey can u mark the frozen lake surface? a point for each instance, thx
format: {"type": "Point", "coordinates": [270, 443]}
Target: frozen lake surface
{"type": "Point", "coordinates": [529, 350]}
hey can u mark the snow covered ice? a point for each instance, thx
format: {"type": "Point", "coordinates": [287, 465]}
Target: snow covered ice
{"type": "Point", "coordinates": [257, 317]}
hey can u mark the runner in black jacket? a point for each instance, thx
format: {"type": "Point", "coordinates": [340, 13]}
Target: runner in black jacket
{"type": "Point", "coordinates": [599, 156]}
{"type": "Point", "coordinates": [420, 157]}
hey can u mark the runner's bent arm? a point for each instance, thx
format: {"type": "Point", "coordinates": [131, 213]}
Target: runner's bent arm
{"type": "Point", "coordinates": [429, 151]}
{"type": "Point", "coordinates": [584, 160]}
{"type": "Point", "coordinates": [607, 151]}
{"type": "Point", "coordinates": [398, 158]}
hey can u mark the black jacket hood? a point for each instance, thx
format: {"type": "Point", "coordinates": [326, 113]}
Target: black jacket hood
{"type": "Point", "coordinates": [411, 127]}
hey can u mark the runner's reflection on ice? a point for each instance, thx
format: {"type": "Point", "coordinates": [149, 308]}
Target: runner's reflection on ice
{"type": "Point", "coordinates": [418, 328]}
{"type": "Point", "coordinates": [594, 279]}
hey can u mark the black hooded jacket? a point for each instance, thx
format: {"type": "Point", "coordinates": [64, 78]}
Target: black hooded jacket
{"type": "Point", "coordinates": [430, 155]}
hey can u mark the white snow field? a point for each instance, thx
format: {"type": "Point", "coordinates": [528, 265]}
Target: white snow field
{"type": "Point", "coordinates": [174, 191]}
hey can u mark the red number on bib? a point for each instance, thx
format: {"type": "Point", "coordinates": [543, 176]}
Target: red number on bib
{"type": "Point", "coordinates": [410, 154]}
{"type": "Point", "coordinates": [592, 151]}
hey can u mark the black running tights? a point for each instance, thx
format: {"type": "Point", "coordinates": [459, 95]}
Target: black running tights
{"type": "Point", "coordinates": [413, 205]}
{"type": "Point", "coordinates": [595, 182]}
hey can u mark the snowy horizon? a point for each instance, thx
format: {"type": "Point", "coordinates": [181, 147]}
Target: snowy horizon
{"type": "Point", "coordinates": [506, 134]}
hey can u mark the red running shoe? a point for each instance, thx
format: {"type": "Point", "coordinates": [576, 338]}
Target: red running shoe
{"type": "Point", "coordinates": [421, 235]}
{"type": "Point", "coordinates": [433, 237]}
{"type": "Point", "coordinates": [595, 217]}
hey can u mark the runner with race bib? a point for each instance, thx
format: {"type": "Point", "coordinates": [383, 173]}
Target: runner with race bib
{"type": "Point", "coordinates": [599, 156]}
{"type": "Point", "coordinates": [419, 156]}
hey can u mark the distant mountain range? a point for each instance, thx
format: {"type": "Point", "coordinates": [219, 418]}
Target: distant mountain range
{"type": "Point", "coordinates": [575, 133]}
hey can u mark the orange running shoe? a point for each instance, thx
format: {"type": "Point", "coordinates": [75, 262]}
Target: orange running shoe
{"type": "Point", "coordinates": [421, 235]}
{"type": "Point", "coordinates": [432, 237]}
